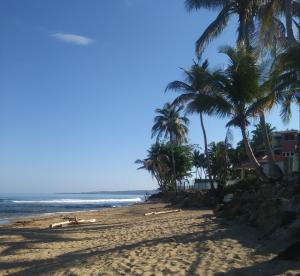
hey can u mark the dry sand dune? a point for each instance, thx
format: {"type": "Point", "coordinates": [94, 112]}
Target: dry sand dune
{"type": "Point", "coordinates": [125, 242]}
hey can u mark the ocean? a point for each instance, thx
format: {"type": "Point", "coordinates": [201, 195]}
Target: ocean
{"type": "Point", "coordinates": [15, 206]}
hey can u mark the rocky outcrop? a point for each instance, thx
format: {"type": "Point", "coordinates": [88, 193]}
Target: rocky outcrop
{"type": "Point", "coordinates": [273, 208]}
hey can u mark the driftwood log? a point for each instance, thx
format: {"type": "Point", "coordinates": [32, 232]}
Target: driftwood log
{"type": "Point", "coordinates": [71, 221]}
{"type": "Point", "coordinates": [162, 212]}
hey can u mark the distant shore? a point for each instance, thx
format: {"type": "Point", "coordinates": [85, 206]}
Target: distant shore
{"type": "Point", "coordinates": [123, 241]}
{"type": "Point", "coordinates": [141, 192]}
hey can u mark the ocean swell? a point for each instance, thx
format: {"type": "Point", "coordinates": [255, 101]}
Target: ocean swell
{"type": "Point", "coordinates": [80, 201]}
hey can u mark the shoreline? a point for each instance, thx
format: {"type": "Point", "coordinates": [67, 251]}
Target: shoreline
{"type": "Point", "coordinates": [123, 241]}
{"type": "Point", "coordinates": [41, 216]}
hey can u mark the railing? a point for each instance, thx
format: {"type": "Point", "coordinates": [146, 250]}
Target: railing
{"type": "Point", "coordinates": [200, 184]}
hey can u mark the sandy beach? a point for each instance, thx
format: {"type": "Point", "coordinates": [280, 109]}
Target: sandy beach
{"type": "Point", "coordinates": [125, 242]}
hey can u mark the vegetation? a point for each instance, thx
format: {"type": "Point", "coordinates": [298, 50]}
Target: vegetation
{"type": "Point", "coordinates": [251, 84]}
{"type": "Point", "coordinates": [159, 163]}
{"type": "Point", "coordinates": [191, 91]}
{"type": "Point", "coordinates": [170, 124]}
{"type": "Point", "coordinates": [199, 162]}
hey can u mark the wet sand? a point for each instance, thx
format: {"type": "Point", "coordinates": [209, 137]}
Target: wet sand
{"type": "Point", "coordinates": [125, 242]}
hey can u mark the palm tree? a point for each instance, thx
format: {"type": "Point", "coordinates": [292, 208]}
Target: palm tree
{"type": "Point", "coordinates": [199, 162]}
{"type": "Point", "coordinates": [272, 11]}
{"type": "Point", "coordinates": [253, 16]}
{"type": "Point", "coordinates": [196, 82]}
{"type": "Point", "coordinates": [250, 13]}
{"type": "Point", "coordinates": [244, 10]}
{"type": "Point", "coordinates": [170, 124]}
{"type": "Point", "coordinates": [257, 140]}
{"type": "Point", "coordinates": [233, 93]}
{"type": "Point", "coordinates": [286, 79]}
{"type": "Point", "coordinates": [157, 163]}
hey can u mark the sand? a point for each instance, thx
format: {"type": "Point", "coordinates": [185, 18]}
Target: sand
{"type": "Point", "coordinates": [125, 242]}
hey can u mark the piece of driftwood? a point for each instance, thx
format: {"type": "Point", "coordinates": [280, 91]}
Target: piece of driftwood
{"type": "Point", "coordinates": [71, 221]}
{"type": "Point", "coordinates": [162, 212]}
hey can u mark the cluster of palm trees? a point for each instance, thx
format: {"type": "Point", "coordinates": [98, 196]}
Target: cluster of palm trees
{"type": "Point", "coordinates": [263, 71]}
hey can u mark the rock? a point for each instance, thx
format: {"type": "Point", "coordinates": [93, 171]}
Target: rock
{"type": "Point", "coordinates": [269, 215]}
{"type": "Point", "coordinates": [291, 253]}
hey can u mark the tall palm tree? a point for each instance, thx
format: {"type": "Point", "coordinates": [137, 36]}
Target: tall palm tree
{"type": "Point", "coordinates": [266, 102]}
{"type": "Point", "coordinates": [196, 82]}
{"type": "Point", "coordinates": [253, 16]}
{"type": "Point", "coordinates": [170, 124]}
{"type": "Point", "coordinates": [286, 78]}
{"type": "Point", "coordinates": [271, 13]}
{"type": "Point", "coordinates": [233, 94]}
{"type": "Point", "coordinates": [245, 10]}
{"type": "Point", "coordinates": [286, 81]}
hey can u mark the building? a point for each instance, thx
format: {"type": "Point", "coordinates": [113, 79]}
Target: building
{"type": "Point", "coordinates": [287, 144]}
{"type": "Point", "coordinates": [286, 148]}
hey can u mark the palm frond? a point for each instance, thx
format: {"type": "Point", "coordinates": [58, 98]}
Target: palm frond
{"type": "Point", "coordinates": [214, 29]}
{"type": "Point", "coordinates": [210, 4]}
{"type": "Point", "coordinates": [179, 86]}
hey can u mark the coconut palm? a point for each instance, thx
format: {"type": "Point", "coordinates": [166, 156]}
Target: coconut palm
{"type": "Point", "coordinates": [257, 140]}
{"type": "Point", "coordinates": [157, 163]}
{"type": "Point", "coordinates": [253, 16]}
{"type": "Point", "coordinates": [272, 12]}
{"type": "Point", "coordinates": [199, 162]}
{"type": "Point", "coordinates": [286, 79]}
{"type": "Point", "coordinates": [268, 99]}
{"type": "Point", "coordinates": [196, 82]}
{"type": "Point", "coordinates": [170, 124]}
{"type": "Point", "coordinates": [244, 10]}
{"type": "Point", "coordinates": [233, 94]}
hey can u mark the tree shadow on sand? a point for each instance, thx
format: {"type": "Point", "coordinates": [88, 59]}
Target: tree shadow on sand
{"type": "Point", "coordinates": [267, 268]}
{"type": "Point", "coordinates": [210, 228]}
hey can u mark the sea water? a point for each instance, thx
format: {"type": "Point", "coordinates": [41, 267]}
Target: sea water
{"type": "Point", "coordinates": [13, 206]}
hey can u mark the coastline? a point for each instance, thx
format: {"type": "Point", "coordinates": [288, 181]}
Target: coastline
{"type": "Point", "coordinates": [124, 241]}
{"type": "Point", "coordinates": [15, 207]}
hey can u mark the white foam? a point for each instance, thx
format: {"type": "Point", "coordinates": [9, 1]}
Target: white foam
{"type": "Point", "coordinates": [67, 212]}
{"type": "Point", "coordinates": [80, 201]}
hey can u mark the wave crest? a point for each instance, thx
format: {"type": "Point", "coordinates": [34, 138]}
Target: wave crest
{"type": "Point", "coordinates": [80, 201]}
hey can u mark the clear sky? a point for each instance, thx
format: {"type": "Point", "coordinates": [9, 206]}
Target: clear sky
{"type": "Point", "coordinates": [79, 82]}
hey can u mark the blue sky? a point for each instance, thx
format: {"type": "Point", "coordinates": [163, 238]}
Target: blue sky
{"type": "Point", "coordinates": [79, 82]}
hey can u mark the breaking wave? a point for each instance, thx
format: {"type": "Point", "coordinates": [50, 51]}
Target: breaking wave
{"type": "Point", "coordinates": [80, 201]}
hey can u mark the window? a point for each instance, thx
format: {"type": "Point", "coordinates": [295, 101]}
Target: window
{"type": "Point", "coordinates": [289, 137]}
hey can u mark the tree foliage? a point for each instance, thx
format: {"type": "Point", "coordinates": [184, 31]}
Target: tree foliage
{"type": "Point", "coordinates": [159, 163]}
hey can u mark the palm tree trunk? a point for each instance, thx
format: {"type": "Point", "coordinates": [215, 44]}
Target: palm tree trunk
{"type": "Point", "coordinates": [206, 154]}
{"type": "Point", "coordinates": [173, 161]}
{"type": "Point", "coordinates": [198, 173]}
{"type": "Point", "coordinates": [159, 183]}
{"type": "Point", "coordinates": [243, 35]}
{"type": "Point", "coordinates": [289, 21]}
{"type": "Point", "coordinates": [275, 170]}
{"type": "Point", "coordinates": [251, 156]}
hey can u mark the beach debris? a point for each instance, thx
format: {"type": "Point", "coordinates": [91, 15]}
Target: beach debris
{"type": "Point", "coordinates": [162, 212]}
{"type": "Point", "coordinates": [71, 221]}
